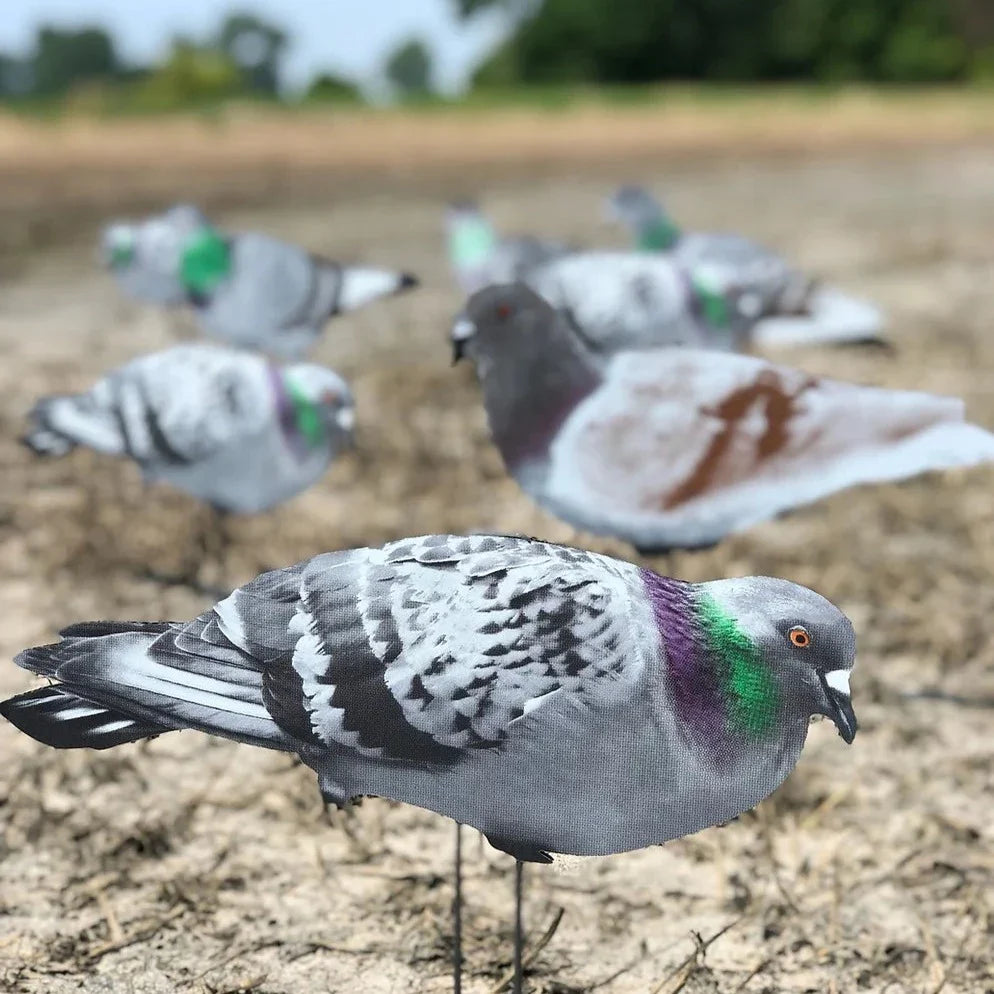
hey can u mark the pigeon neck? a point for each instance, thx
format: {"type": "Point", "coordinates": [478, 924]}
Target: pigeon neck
{"type": "Point", "coordinates": [658, 234]}
{"type": "Point", "coordinates": [299, 418]}
{"type": "Point", "coordinates": [531, 386]}
{"type": "Point", "coordinates": [720, 686]}
{"type": "Point", "coordinates": [206, 261]}
{"type": "Point", "coordinates": [472, 240]}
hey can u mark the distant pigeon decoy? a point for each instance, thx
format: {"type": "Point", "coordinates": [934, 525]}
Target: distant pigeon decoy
{"type": "Point", "coordinates": [793, 308]}
{"type": "Point", "coordinates": [557, 700]}
{"type": "Point", "coordinates": [253, 291]}
{"type": "Point", "coordinates": [678, 448]}
{"type": "Point", "coordinates": [619, 301]}
{"type": "Point", "coordinates": [480, 257]}
{"type": "Point", "coordinates": [227, 427]}
{"type": "Point", "coordinates": [144, 257]}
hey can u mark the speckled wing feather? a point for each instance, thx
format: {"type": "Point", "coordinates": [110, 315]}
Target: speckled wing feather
{"type": "Point", "coordinates": [173, 407]}
{"type": "Point", "coordinates": [681, 447]}
{"type": "Point", "coordinates": [434, 645]}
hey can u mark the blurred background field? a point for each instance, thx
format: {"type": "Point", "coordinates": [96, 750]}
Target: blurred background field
{"type": "Point", "coordinates": [193, 864]}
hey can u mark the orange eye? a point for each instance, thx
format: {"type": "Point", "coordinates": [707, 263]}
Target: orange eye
{"type": "Point", "coordinates": [503, 311]}
{"type": "Point", "coordinates": [800, 637]}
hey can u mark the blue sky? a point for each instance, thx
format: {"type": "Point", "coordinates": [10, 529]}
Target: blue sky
{"type": "Point", "coordinates": [348, 36]}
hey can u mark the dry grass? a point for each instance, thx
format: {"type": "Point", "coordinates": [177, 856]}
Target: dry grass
{"type": "Point", "coordinates": [197, 865]}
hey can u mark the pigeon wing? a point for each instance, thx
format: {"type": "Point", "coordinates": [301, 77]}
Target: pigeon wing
{"type": "Point", "coordinates": [680, 447]}
{"type": "Point", "coordinates": [431, 646]}
{"type": "Point", "coordinates": [184, 404]}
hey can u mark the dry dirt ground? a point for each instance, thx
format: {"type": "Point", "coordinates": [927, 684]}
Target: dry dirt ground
{"type": "Point", "coordinates": [192, 864]}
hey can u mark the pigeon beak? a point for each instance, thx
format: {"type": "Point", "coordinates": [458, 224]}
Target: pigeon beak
{"type": "Point", "coordinates": [836, 687]}
{"type": "Point", "coordinates": [345, 419]}
{"type": "Point", "coordinates": [462, 331]}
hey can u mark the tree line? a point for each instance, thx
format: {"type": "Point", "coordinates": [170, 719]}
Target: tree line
{"type": "Point", "coordinates": [644, 41]}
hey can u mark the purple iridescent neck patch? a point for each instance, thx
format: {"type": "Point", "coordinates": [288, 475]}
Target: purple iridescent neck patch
{"type": "Point", "coordinates": [693, 681]}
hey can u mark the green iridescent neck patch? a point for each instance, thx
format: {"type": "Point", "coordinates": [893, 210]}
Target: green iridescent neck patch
{"type": "Point", "coordinates": [472, 241]}
{"type": "Point", "coordinates": [206, 261]}
{"type": "Point", "coordinates": [658, 235]}
{"type": "Point", "coordinates": [307, 415]}
{"type": "Point", "coordinates": [749, 689]}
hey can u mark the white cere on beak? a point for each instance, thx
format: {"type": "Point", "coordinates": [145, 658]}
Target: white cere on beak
{"type": "Point", "coordinates": [346, 418]}
{"type": "Point", "coordinates": [838, 680]}
{"type": "Point", "coordinates": [463, 329]}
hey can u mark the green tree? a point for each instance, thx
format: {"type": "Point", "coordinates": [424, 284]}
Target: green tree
{"type": "Point", "coordinates": [191, 76]}
{"type": "Point", "coordinates": [256, 47]}
{"type": "Point", "coordinates": [640, 41]}
{"type": "Point", "coordinates": [334, 89]}
{"type": "Point", "coordinates": [409, 68]}
{"type": "Point", "coordinates": [62, 59]}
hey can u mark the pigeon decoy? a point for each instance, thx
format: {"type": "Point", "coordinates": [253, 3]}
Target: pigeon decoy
{"type": "Point", "coordinates": [792, 308]}
{"type": "Point", "coordinates": [557, 700]}
{"type": "Point", "coordinates": [479, 256]}
{"type": "Point", "coordinates": [678, 448]}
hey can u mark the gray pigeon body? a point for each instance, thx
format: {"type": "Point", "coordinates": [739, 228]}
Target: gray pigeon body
{"type": "Point", "coordinates": [480, 257]}
{"type": "Point", "coordinates": [145, 257]}
{"type": "Point", "coordinates": [554, 699]}
{"type": "Point", "coordinates": [790, 307]}
{"type": "Point", "coordinates": [621, 301]}
{"type": "Point", "coordinates": [679, 447]}
{"type": "Point", "coordinates": [278, 297]}
{"type": "Point", "coordinates": [227, 427]}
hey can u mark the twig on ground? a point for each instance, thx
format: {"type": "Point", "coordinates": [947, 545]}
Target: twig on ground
{"type": "Point", "coordinates": [532, 954]}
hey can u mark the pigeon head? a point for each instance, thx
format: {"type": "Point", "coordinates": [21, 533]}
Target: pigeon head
{"type": "Point", "coordinates": [498, 318]}
{"type": "Point", "coordinates": [117, 245]}
{"type": "Point", "coordinates": [789, 651]}
{"type": "Point", "coordinates": [321, 405]}
{"type": "Point", "coordinates": [639, 211]}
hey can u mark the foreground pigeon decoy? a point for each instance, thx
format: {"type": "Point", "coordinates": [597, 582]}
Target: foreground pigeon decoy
{"type": "Point", "coordinates": [227, 427]}
{"type": "Point", "coordinates": [557, 700]}
{"type": "Point", "coordinates": [678, 448]}
{"type": "Point", "coordinates": [480, 257]}
{"type": "Point", "coordinates": [144, 257]}
{"type": "Point", "coordinates": [794, 308]}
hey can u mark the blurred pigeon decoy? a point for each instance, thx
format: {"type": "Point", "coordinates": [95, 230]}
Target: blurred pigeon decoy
{"type": "Point", "coordinates": [479, 257]}
{"type": "Point", "coordinates": [678, 448]}
{"type": "Point", "coordinates": [227, 427]}
{"type": "Point", "coordinates": [794, 308]}
{"type": "Point", "coordinates": [144, 257]}
{"type": "Point", "coordinates": [557, 700]}
{"type": "Point", "coordinates": [253, 291]}
{"type": "Point", "coordinates": [630, 300]}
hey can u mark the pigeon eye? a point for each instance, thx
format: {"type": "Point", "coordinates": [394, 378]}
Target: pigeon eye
{"type": "Point", "coordinates": [503, 311]}
{"type": "Point", "coordinates": [799, 636]}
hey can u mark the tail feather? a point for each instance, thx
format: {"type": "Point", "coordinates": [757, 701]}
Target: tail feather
{"type": "Point", "coordinates": [361, 285]}
{"type": "Point", "coordinates": [830, 318]}
{"type": "Point", "coordinates": [63, 720]}
{"type": "Point", "coordinates": [56, 425]}
{"type": "Point", "coordinates": [139, 673]}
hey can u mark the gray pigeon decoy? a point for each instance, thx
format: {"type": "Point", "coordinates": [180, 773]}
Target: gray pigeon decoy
{"type": "Point", "coordinates": [620, 301]}
{"type": "Point", "coordinates": [557, 700]}
{"type": "Point", "coordinates": [227, 427]}
{"type": "Point", "coordinates": [678, 448]}
{"type": "Point", "coordinates": [253, 291]}
{"type": "Point", "coordinates": [480, 257]}
{"type": "Point", "coordinates": [793, 308]}
{"type": "Point", "coordinates": [144, 257]}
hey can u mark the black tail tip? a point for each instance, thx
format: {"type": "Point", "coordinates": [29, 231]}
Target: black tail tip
{"type": "Point", "coordinates": [408, 281]}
